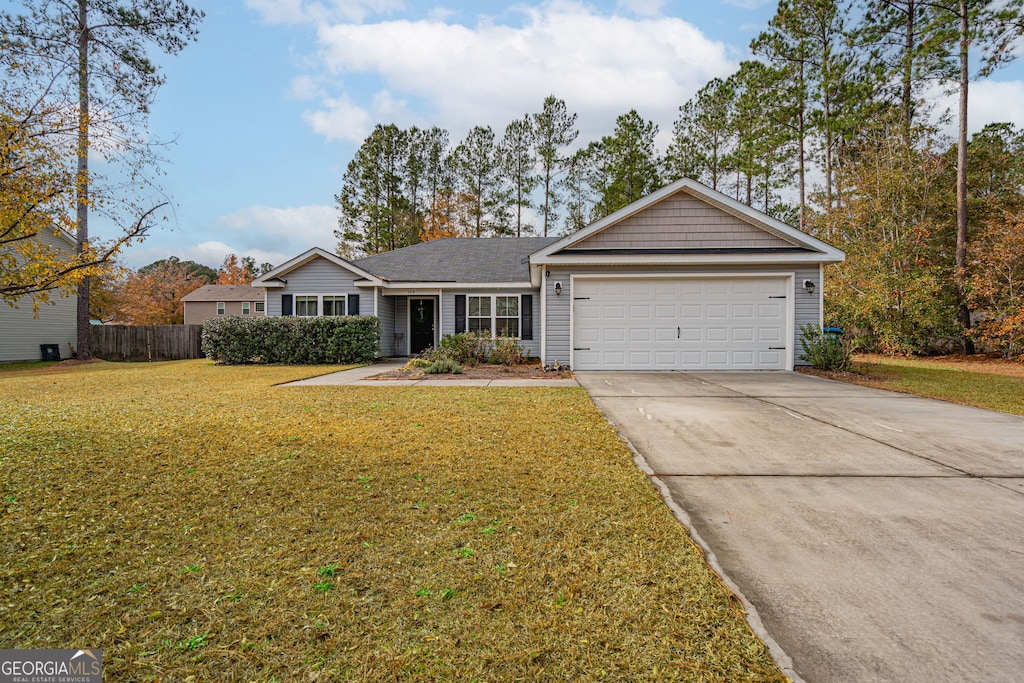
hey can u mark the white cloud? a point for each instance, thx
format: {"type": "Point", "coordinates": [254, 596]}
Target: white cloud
{"type": "Point", "coordinates": [209, 253]}
{"type": "Point", "coordinates": [339, 118]}
{"type": "Point", "coordinates": [459, 76]}
{"type": "Point", "coordinates": [293, 229]}
{"type": "Point", "coordinates": [995, 101]}
{"type": "Point", "coordinates": [989, 101]}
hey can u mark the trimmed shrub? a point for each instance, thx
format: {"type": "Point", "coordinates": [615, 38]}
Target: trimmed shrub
{"type": "Point", "coordinates": [824, 350]}
{"type": "Point", "coordinates": [235, 340]}
{"type": "Point", "coordinates": [473, 348]}
{"type": "Point", "coordinates": [443, 366]}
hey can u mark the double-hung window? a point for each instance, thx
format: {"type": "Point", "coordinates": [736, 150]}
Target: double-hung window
{"type": "Point", "coordinates": [495, 315]}
{"type": "Point", "coordinates": [334, 305]}
{"type": "Point", "coordinates": [506, 316]}
{"type": "Point", "coordinates": [220, 308]}
{"type": "Point", "coordinates": [245, 307]}
{"type": "Point", "coordinates": [306, 306]}
{"type": "Point", "coordinates": [479, 314]}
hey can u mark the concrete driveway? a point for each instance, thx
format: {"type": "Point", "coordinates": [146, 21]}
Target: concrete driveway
{"type": "Point", "coordinates": [879, 536]}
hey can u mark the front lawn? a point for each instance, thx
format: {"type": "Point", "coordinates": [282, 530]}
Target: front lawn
{"type": "Point", "coordinates": [196, 520]}
{"type": "Point", "coordinates": [979, 381]}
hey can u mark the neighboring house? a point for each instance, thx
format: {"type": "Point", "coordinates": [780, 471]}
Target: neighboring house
{"type": "Point", "coordinates": [686, 278]}
{"type": "Point", "coordinates": [211, 301]}
{"type": "Point", "coordinates": [23, 331]}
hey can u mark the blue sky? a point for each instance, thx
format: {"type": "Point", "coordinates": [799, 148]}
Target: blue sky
{"type": "Point", "coordinates": [267, 108]}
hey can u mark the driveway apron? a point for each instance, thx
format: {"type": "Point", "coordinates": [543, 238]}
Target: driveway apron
{"type": "Point", "coordinates": [878, 536]}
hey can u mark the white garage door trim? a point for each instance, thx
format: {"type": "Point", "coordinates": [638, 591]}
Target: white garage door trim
{"type": "Point", "coordinates": [787, 278]}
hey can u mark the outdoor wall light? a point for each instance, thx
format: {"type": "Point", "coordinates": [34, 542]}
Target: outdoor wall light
{"type": "Point", "coordinates": [809, 286]}
{"type": "Point", "coordinates": [558, 289]}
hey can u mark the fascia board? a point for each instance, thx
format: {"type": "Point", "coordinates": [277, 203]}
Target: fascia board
{"type": "Point", "coordinates": [696, 259]}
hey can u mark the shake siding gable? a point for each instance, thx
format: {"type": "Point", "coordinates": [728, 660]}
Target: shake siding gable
{"type": "Point", "coordinates": [681, 221]}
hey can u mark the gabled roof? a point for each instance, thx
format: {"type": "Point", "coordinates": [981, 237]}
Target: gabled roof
{"type": "Point", "coordinates": [465, 259]}
{"type": "Point", "coordinates": [224, 293]}
{"type": "Point", "coordinates": [786, 242]}
{"type": "Point", "coordinates": [275, 277]}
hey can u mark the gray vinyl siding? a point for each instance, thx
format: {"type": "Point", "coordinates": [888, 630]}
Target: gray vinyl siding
{"type": "Point", "coordinates": [806, 306]}
{"type": "Point", "coordinates": [402, 322]}
{"type": "Point", "coordinates": [448, 313]}
{"type": "Point", "coordinates": [386, 315]}
{"type": "Point", "coordinates": [21, 331]}
{"type": "Point", "coordinates": [681, 222]}
{"type": "Point", "coordinates": [319, 276]}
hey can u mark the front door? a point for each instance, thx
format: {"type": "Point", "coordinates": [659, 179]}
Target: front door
{"type": "Point", "coordinates": [421, 325]}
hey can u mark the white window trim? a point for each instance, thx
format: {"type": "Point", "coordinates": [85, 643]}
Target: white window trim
{"type": "Point", "coordinates": [221, 308]}
{"type": "Point", "coordinates": [494, 312]}
{"type": "Point", "coordinates": [246, 308]}
{"type": "Point", "coordinates": [319, 304]}
{"type": "Point", "coordinates": [260, 307]}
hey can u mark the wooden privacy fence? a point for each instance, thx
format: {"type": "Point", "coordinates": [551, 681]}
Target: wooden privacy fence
{"type": "Point", "coordinates": [146, 342]}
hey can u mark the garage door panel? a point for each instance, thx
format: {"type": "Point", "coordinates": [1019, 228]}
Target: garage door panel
{"type": "Point", "coordinates": [743, 334]}
{"type": "Point", "coordinates": [680, 323]}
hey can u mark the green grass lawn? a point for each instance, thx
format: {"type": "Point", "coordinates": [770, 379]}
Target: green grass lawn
{"type": "Point", "coordinates": [196, 520]}
{"type": "Point", "coordinates": [976, 384]}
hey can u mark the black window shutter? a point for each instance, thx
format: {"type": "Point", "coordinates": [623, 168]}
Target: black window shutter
{"type": "Point", "coordinates": [353, 304]}
{"type": "Point", "coordinates": [526, 311]}
{"type": "Point", "coordinates": [460, 313]}
{"type": "Point", "coordinates": [286, 304]}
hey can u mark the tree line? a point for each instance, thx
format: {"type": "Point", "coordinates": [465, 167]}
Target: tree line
{"type": "Point", "coordinates": [829, 127]}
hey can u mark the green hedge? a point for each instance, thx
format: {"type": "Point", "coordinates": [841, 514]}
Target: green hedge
{"type": "Point", "coordinates": [234, 340]}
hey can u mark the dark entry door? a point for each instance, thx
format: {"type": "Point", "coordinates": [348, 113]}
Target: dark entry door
{"type": "Point", "coordinates": [421, 316]}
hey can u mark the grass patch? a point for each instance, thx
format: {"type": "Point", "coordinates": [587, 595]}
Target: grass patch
{"type": "Point", "coordinates": [415, 533]}
{"type": "Point", "coordinates": [983, 385]}
{"type": "Point", "coordinates": [29, 365]}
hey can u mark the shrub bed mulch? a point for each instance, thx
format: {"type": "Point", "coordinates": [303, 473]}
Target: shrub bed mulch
{"type": "Point", "coordinates": [198, 523]}
{"type": "Point", "coordinates": [482, 371]}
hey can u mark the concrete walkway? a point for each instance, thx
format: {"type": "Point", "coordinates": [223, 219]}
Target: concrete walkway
{"type": "Point", "coordinates": [358, 377]}
{"type": "Point", "coordinates": [879, 536]}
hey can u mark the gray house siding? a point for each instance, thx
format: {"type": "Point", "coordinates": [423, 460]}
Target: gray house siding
{"type": "Point", "coordinates": [386, 313]}
{"type": "Point", "coordinates": [22, 331]}
{"type": "Point", "coordinates": [807, 307]}
{"type": "Point", "coordinates": [448, 313]}
{"type": "Point", "coordinates": [319, 277]}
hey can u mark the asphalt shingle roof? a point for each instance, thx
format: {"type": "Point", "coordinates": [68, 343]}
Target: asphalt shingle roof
{"type": "Point", "coordinates": [466, 259]}
{"type": "Point", "coordinates": [224, 293]}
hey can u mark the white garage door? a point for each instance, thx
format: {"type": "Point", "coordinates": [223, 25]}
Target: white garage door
{"type": "Point", "coordinates": [680, 324]}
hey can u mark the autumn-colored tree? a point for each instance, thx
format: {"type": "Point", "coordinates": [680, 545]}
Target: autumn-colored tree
{"type": "Point", "coordinates": [154, 297]}
{"type": "Point", "coordinates": [105, 294]}
{"type": "Point", "coordinates": [234, 271]}
{"type": "Point", "coordinates": [997, 285]}
{"type": "Point", "coordinates": [894, 289]}
{"type": "Point", "coordinates": [92, 58]}
{"type": "Point", "coordinates": [36, 191]}
{"type": "Point", "coordinates": [450, 217]}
